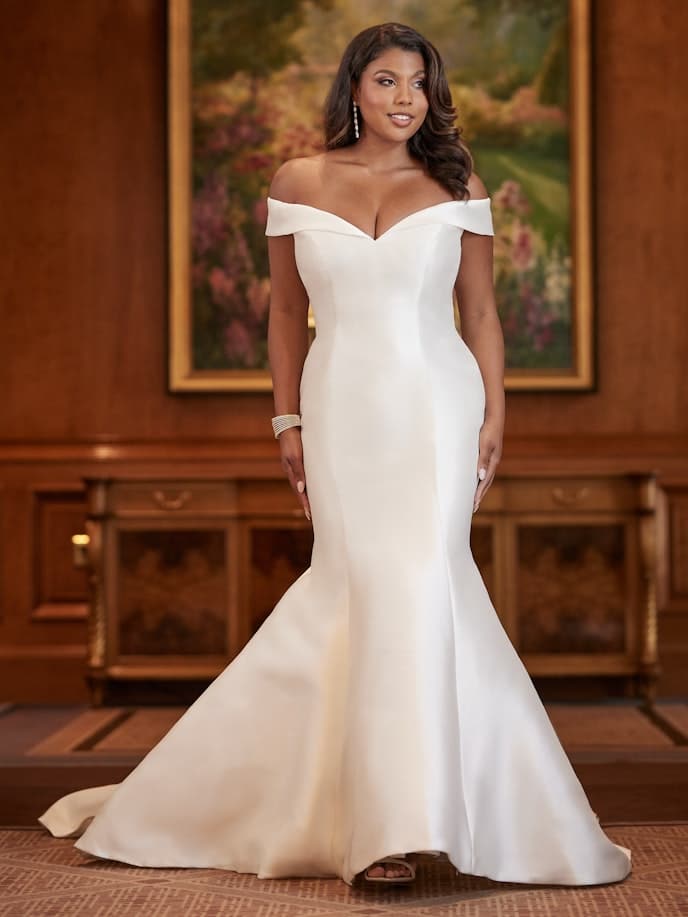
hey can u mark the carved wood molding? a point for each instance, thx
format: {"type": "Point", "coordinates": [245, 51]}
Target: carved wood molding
{"type": "Point", "coordinates": [260, 455]}
{"type": "Point", "coordinates": [16, 652]}
{"type": "Point", "coordinates": [117, 452]}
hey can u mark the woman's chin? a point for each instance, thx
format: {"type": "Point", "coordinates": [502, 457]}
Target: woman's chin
{"type": "Point", "coordinates": [389, 133]}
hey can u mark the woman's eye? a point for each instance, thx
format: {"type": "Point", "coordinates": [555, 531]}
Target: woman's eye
{"type": "Point", "coordinates": [388, 79]}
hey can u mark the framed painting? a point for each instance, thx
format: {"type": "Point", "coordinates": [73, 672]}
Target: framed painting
{"type": "Point", "coordinates": [246, 88]}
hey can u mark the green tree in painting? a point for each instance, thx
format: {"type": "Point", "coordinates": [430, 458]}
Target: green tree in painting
{"type": "Point", "coordinates": [248, 37]}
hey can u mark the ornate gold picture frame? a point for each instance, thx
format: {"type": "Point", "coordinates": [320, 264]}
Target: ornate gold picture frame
{"type": "Point", "coordinates": [245, 94]}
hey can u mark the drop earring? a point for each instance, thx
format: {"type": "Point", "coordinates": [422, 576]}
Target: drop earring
{"type": "Point", "coordinates": [356, 121]}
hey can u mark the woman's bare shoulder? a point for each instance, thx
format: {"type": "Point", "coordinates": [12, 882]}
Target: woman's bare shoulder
{"type": "Point", "coordinates": [293, 179]}
{"type": "Point", "coordinates": [476, 187]}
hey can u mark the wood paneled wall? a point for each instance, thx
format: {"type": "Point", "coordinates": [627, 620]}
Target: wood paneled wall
{"type": "Point", "coordinates": [84, 263]}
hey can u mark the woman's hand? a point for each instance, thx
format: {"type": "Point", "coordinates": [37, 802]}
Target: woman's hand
{"type": "Point", "coordinates": [490, 452]}
{"type": "Point", "coordinates": [291, 449]}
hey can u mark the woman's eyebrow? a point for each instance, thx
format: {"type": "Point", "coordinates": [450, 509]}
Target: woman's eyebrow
{"type": "Point", "coordinates": [394, 73]}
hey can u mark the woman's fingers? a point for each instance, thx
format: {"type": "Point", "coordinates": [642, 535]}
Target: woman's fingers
{"type": "Point", "coordinates": [483, 471]}
{"type": "Point", "coordinates": [487, 468]}
{"type": "Point", "coordinates": [298, 484]}
{"type": "Point", "coordinates": [292, 462]}
{"type": "Point", "coordinates": [300, 477]}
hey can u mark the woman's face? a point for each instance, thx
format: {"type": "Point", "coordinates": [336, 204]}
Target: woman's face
{"type": "Point", "coordinates": [391, 94]}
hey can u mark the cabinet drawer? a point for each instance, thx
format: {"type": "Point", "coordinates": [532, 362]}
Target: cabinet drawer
{"type": "Point", "coordinates": [172, 498]}
{"type": "Point", "coordinates": [569, 495]}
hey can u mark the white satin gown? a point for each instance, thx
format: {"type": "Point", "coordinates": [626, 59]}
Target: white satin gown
{"type": "Point", "coordinates": [381, 708]}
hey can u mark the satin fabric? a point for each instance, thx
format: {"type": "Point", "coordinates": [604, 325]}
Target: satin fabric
{"type": "Point", "coordinates": [381, 707]}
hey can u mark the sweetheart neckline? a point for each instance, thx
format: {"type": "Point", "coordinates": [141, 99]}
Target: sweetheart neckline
{"type": "Point", "coordinates": [478, 200]}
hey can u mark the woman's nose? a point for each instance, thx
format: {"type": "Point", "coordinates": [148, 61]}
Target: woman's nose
{"type": "Point", "coordinates": [403, 94]}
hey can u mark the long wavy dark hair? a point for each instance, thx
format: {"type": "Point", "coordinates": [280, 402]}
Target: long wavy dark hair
{"type": "Point", "coordinates": [437, 143]}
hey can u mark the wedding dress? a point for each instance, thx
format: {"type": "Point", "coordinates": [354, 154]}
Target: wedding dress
{"type": "Point", "coordinates": [381, 707]}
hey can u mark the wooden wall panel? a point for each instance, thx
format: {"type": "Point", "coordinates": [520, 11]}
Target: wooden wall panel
{"type": "Point", "coordinates": [84, 266]}
{"type": "Point", "coordinates": [678, 555]}
{"type": "Point", "coordinates": [60, 587]}
{"type": "Point", "coordinates": [83, 166]}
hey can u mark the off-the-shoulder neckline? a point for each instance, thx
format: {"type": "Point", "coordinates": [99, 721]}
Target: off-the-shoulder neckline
{"type": "Point", "coordinates": [478, 200]}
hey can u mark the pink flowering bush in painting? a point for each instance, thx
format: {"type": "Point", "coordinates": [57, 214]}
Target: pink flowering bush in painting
{"type": "Point", "coordinates": [237, 147]}
{"type": "Point", "coordinates": [532, 281]}
{"type": "Point", "coordinates": [228, 262]}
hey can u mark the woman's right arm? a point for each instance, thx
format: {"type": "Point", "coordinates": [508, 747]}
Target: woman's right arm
{"type": "Point", "coordinates": [287, 337]}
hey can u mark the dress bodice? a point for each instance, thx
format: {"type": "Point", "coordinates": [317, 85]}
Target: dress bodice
{"type": "Point", "coordinates": [412, 264]}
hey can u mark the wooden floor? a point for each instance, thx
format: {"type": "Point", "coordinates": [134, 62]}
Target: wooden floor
{"type": "Point", "coordinates": [632, 762]}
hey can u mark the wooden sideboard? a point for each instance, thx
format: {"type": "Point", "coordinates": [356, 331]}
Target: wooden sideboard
{"type": "Point", "coordinates": [563, 539]}
{"type": "Point", "coordinates": [183, 572]}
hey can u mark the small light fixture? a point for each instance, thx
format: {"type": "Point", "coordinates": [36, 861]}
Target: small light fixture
{"type": "Point", "coordinates": [80, 545]}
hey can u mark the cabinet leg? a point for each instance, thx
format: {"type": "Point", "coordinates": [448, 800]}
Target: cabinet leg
{"type": "Point", "coordinates": [96, 690]}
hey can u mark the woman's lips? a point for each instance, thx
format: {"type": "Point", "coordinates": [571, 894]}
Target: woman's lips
{"type": "Point", "coordinates": [400, 120]}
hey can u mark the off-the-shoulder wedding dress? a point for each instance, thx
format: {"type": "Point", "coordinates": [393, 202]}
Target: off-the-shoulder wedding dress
{"type": "Point", "coordinates": [381, 707]}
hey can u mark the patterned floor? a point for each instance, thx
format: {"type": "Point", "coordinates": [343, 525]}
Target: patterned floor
{"type": "Point", "coordinates": [41, 876]}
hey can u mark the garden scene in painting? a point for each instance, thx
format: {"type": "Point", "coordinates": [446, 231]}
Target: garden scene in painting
{"type": "Point", "coordinates": [260, 74]}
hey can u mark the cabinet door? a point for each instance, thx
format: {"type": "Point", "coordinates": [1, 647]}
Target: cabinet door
{"type": "Point", "coordinates": [170, 594]}
{"type": "Point", "coordinates": [576, 593]}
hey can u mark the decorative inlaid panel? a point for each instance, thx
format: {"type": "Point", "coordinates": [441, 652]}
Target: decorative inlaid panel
{"type": "Point", "coordinates": [278, 557]}
{"type": "Point", "coordinates": [172, 588]}
{"type": "Point", "coordinates": [571, 584]}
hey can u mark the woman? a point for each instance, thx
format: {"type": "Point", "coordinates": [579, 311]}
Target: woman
{"type": "Point", "coordinates": [381, 710]}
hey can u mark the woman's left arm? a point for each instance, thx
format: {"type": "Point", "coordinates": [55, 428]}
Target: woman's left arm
{"type": "Point", "coordinates": [482, 332]}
